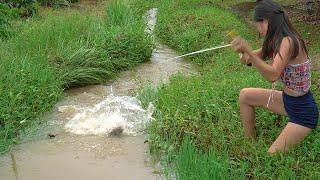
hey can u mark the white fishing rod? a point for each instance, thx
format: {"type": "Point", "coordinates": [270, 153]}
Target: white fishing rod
{"type": "Point", "coordinates": [201, 51]}
{"type": "Point", "coordinates": [231, 35]}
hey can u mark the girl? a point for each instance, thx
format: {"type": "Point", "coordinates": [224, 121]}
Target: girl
{"type": "Point", "coordinates": [291, 65]}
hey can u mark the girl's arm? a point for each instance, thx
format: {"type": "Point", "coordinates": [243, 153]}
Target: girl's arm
{"type": "Point", "coordinates": [269, 72]}
{"type": "Point", "coordinates": [258, 52]}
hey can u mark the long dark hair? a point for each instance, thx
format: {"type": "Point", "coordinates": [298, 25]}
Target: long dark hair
{"type": "Point", "coordinates": [279, 26]}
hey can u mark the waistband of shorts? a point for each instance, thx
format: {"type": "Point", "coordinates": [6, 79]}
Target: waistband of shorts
{"type": "Point", "coordinates": [306, 95]}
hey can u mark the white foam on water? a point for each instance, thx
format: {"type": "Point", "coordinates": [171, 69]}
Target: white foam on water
{"type": "Point", "coordinates": [114, 112]}
{"type": "Point", "coordinates": [151, 19]}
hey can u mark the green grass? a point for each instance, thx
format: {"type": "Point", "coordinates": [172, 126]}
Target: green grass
{"type": "Point", "coordinates": [53, 53]}
{"type": "Point", "coordinates": [189, 29]}
{"type": "Point", "coordinates": [193, 164]}
{"type": "Point", "coordinates": [205, 108]}
{"type": "Point", "coordinates": [5, 13]}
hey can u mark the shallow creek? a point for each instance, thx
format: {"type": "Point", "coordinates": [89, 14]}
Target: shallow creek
{"type": "Point", "coordinates": [80, 146]}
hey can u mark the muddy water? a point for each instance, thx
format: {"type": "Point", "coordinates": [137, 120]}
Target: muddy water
{"type": "Point", "coordinates": [68, 156]}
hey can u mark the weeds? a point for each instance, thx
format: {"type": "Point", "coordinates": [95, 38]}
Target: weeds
{"type": "Point", "coordinates": [194, 164]}
{"type": "Point", "coordinates": [6, 15]}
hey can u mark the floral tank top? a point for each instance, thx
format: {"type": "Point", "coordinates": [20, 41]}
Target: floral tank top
{"type": "Point", "coordinates": [297, 76]}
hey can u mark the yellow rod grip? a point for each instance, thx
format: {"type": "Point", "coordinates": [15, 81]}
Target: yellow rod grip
{"type": "Point", "coordinates": [232, 35]}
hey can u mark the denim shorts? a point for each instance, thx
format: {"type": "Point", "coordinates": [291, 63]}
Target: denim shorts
{"type": "Point", "coordinates": [302, 110]}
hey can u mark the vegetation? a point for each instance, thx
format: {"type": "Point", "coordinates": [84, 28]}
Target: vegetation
{"type": "Point", "coordinates": [23, 7]}
{"type": "Point", "coordinates": [205, 108]}
{"type": "Point", "coordinates": [59, 52]}
{"type": "Point", "coordinates": [193, 164]}
{"type": "Point", "coordinates": [26, 8]}
{"type": "Point", "coordinates": [6, 15]}
{"type": "Point", "coordinates": [11, 10]}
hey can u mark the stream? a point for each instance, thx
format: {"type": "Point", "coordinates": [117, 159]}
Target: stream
{"type": "Point", "coordinates": [98, 131]}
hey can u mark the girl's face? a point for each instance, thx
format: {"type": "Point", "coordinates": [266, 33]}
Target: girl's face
{"type": "Point", "coordinates": [262, 27]}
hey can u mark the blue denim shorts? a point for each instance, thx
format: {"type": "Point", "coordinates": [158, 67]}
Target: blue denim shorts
{"type": "Point", "coordinates": [302, 110]}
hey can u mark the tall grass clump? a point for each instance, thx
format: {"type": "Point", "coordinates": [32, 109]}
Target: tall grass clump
{"type": "Point", "coordinates": [130, 47]}
{"type": "Point", "coordinates": [140, 7]}
{"type": "Point", "coordinates": [28, 8]}
{"type": "Point", "coordinates": [60, 52]}
{"type": "Point", "coordinates": [6, 15]}
{"type": "Point", "coordinates": [25, 8]}
{"type": "Point", "coordinates": [205, 108]}
{"type": "Point", "coordinates": [28, 88]}
{"type": "Point", "coordinates": [119, 14]}
{"type": "Point", "coordinates": [71, 46]}
{"type": "Point", "coordinates": [193, 164]}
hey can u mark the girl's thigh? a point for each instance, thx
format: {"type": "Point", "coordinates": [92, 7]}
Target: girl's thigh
{"type": "Point", "coordinates": [291, 135]}
{"type": "Point", "coordinates": [258, 97]}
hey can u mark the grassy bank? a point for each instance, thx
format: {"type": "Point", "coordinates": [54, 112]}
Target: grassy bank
{"type": "Point", "coordinates": [56, 52]}
{"type": "Point", "coordinates": [205, 108]}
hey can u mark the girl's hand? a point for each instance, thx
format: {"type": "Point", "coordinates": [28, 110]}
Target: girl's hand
{"type": "Point", "coordinates": [240, 45]}
{"type": "Point", "coordinates": [244, 58]}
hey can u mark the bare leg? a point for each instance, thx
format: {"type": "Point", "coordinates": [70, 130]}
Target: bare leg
{"type": "Point", "coordinates": [256, 97]}
{"type": "Point", "coordinates": [291, 135]}
{"type": "Point", "coordinates": [247, 114]}
{"type": "Point", "coordinates": [250, 98]}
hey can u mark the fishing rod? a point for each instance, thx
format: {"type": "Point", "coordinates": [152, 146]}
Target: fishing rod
{"type": "Point", "coordinates": [201, 51]}
{"type": "Point", "coordinates": [231, 35]}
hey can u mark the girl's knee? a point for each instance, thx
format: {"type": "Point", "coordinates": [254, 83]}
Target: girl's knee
{"type": "Point", "coordinates": [272, 150]}
{"type": "Point", "coordinates": [277, 149]}
{"type": "Point", "coordinates": [244, 95]}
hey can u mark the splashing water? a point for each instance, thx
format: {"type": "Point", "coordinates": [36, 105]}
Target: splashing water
{"type": "Point", "coordinates": [123, 113]}
{"type": "Point", "coordinates": [114, 112]}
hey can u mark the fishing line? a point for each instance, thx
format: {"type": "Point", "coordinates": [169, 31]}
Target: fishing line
{"type": "Point", "coordinates": [201, 51]}
{"type": "Point", "coordinates": [231, 35]}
